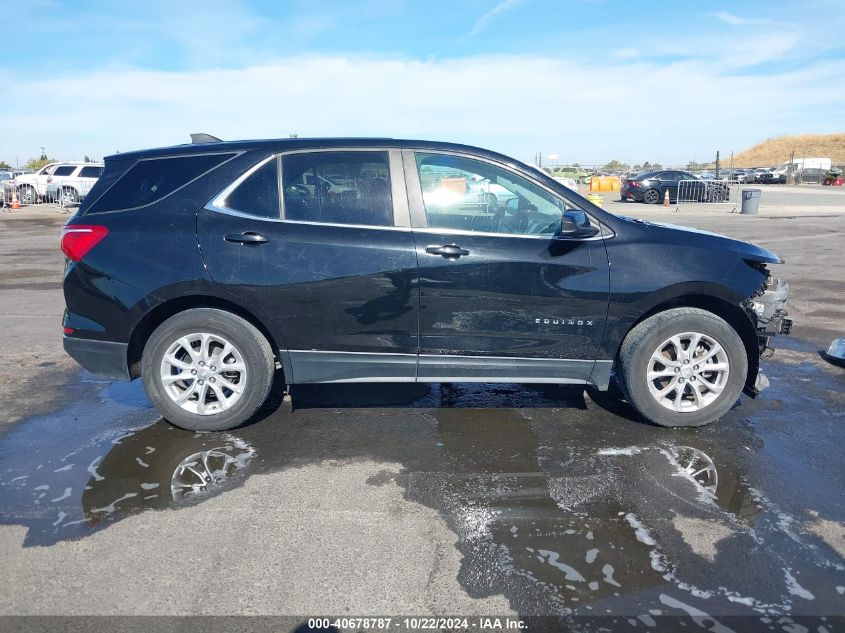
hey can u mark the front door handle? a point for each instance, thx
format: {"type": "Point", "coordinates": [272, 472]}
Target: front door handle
{"type": "Point", "coordinates": [250, 237]}
{"type": "Point", "coordinates": [449, 251]}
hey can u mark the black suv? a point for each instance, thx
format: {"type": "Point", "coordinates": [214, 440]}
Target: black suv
{"type": "Point", "coordinates": [200, 267]}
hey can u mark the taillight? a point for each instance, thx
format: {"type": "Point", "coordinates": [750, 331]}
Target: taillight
{"type": "Point", "coordinates": [78, 239]}
{"type": "Point", "coordinates": [634, 184]}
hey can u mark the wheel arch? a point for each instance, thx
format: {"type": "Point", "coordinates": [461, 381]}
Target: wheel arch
{"type": "Point", "coordinates": [733, 314]}
{"type": "Point", "coordinates": [163, 311]}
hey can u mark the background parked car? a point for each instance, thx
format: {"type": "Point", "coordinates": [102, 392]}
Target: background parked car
{"type": "Point", "coordinates": [70, 183]}
{"type": "Point", "coordinates": [650, 187]}
{"type": "Point", "coordinates": [811, 175]}
{"type": "Point", "coordinates": [575, 172]}
{"type": "Point", "coordinates": [768, 177]}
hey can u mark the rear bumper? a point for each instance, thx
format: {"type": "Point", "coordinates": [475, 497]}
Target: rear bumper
{"type": "Point", "coordinates": [104, 358]}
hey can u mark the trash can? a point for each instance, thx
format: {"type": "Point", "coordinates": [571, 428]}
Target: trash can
{"type": "Point", "coordinates": [751, 201]}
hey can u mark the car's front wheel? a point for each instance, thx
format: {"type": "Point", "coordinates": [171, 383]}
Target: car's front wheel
{"type": "Point", "coordinates": [207, 369]}
{"type": "Point", "coordinates": [682, 367]}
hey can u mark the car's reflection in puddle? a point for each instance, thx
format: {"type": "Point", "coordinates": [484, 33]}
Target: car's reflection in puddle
{"type": "Point", "coordinates": [559, 502]}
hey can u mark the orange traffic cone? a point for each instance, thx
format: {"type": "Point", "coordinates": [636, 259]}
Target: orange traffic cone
{"type": "Point", "coordinates": [666, 198]}
{"type": "Point", "coordinates": [15, 202]}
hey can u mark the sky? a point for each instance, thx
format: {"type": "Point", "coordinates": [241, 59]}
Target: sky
{"type": "Point", "coordinates": [588, 81]}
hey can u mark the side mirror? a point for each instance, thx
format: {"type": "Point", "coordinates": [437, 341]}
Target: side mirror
{"type": "Point", "coordinates": [576, 224]}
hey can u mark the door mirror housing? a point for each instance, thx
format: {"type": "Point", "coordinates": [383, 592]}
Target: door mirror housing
{"type": "Point", "coordinates": [575, 223]}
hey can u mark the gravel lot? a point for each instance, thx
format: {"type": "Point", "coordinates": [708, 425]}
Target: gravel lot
{"type": "Point", "coordinates": [449, 499]}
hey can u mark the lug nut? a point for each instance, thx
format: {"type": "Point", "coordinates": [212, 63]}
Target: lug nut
{"type": "Point", "coordinates": [695, 367]}
{"type": "Point", "coordinates": [677, 370]}
{"type": "Point", "coordinates": [194, 372]}
{"type": "Point", "coordinates": [680, 380]}
{"type": "Point", "coordinates": [211, 380]}
{"type": "Point", "coordinates": [201, 382]}
{"type": "Point", "coordinates": [686, 362]}
{"type": "Point", "coordinates": [213, 368]}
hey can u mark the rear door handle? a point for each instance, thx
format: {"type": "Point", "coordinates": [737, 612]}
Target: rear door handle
{"type": "Point", "coordinates": [449, 251]}
{"type": "Point", "coordinates": [249, 237]}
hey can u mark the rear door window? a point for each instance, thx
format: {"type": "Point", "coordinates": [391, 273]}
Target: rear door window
{"type": "Point", "coordinates": [338, 188]}
{"type": "Point", "coordinates": [149, 180]}
{"type": "Point", "coordinates": [258, 194]}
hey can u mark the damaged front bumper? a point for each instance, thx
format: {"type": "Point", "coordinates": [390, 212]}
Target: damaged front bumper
{"type": "Point", "coordinates": [767, 309]}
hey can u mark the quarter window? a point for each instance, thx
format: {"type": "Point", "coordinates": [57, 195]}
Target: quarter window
{"type": "Point", "coordinates": [338, 187]}
{"type": "Point", "coordinates": [259, 193]}
{"type": "Point", "coordinates": [150, 180]}
{"type": "Point", "coordinates": [469, 195]}
{"type": "Point", "coordinates": [91, 172]}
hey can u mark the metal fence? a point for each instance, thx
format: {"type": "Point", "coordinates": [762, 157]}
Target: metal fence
{"type": "Point", "coordinates": [708, 192]}
{"type": "Point", "coordinates": [65, 194]}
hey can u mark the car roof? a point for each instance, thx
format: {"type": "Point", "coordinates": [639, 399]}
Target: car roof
{"type": "Point", "coordinates": [289, 144]}
{"type": "Point", "coordinates": [647, 174]}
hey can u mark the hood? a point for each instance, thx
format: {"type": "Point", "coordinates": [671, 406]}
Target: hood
{"type": "Point", "coordinates": [746, 250]}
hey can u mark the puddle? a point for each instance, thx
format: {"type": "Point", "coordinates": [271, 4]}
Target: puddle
{"type": "Point", "coordinates": [561, 501]}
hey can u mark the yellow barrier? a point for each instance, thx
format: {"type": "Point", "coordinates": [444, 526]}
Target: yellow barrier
{"type": "Point", "coordinates": [605, 183]}
{"type": "Point", "coordinates": [595, 198]}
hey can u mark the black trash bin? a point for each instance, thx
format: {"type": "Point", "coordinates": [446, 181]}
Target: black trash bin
{"type": "Point", "coordinates": [751, 201]}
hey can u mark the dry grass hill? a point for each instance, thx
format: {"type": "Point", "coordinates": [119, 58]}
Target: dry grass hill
{"type": "Point", "coordinates": [777, 150]}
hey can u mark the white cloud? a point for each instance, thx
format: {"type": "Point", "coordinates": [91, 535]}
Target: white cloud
{"type": "Point", "coordinates": [484, 21]}
{"type": "Point", "coordinates": [735, 20]}
{"type": "Point", "coordinates": [589, 112]}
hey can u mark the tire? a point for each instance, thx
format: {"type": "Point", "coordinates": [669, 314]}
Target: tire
{"type": "Point", "coordinates": [28, 195]}
{"type": "Point", "coordinates": [207, 401]}
{"type": "Point", "coordinates": [69, 196]}
{"type": "Point", "coordinates": [651, 196]}
{"type": "Point", "coordinates": [652, 337]}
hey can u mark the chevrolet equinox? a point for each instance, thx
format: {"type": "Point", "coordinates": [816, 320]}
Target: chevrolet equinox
{"type": "Point", "coordinates": [204, 268]}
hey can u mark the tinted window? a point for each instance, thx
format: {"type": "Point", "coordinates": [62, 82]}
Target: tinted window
{"type": "Point", "coordinates": [338, 187]}
{"type": "Point", "coordinates": [91, 171]}
{"type": "Point", "coordinates": [470, 195]}
{"type": "Point", "coordinates": [259, 193]}
{"type": "Point", "coordinates": [64, 170]}
{"type": "Point", "coordinates": [151, 180]}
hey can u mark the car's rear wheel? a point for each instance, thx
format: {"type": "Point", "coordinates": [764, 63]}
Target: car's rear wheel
{"type": "Point", "coordinates": [27, 195]}
{"type": "Point", "coordinates": [69, 196]}
{"type": "Point", "coordinates": [651, 196]}
{"type": "Point", "coordinates": [682, 367]}
{"type": "Point", "coordinates": [207, 369]}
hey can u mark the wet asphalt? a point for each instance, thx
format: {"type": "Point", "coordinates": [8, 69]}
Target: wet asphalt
{"type": "Point", "coordinates": [563, 501]}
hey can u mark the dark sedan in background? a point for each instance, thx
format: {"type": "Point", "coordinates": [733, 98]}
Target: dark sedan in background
{"type": "Point", "coordinates": [651, 187]}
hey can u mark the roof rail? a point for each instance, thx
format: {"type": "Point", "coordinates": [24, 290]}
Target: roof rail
{"type": "Point", "coordinates": [202, 137]}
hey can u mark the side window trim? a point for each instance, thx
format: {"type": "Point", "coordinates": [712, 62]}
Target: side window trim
{"type": "Point", "coordinates": [419, 220]}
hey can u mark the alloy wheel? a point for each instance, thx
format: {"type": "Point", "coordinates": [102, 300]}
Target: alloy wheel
{"type": "Point", "coordinates": [203, 373]}
{"type": "Point", "coordinates": [688, 372]}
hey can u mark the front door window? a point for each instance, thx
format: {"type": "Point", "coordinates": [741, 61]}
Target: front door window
{"type": "Point", "coordinates": [470, 195]}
